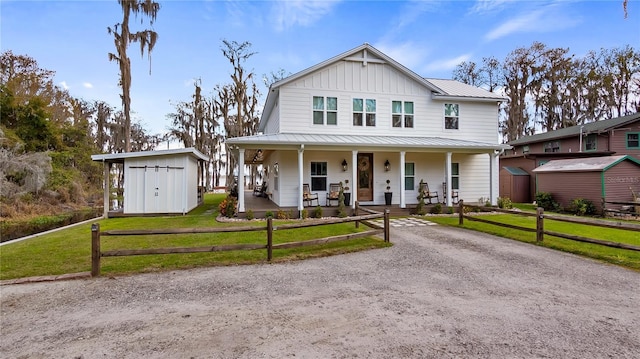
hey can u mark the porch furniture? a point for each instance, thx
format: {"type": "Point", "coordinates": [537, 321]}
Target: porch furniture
{"type": "Point", "coordinates": [308, 197]}
{"type": "Point", "coordinates": [260, 191]}
{"type": "Point", "coordinates": [427, 194]}
{"type": "Point", "coordinates": [454, 194]}
{"type": "Point", "coordinates": [333, 194]}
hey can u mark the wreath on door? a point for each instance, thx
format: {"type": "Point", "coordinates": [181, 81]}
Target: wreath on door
{"type": "Point", "coordinates": [364, 164]}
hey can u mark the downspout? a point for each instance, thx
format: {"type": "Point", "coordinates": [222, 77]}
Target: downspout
{"type": "Point", "coordinates": [581, 127]}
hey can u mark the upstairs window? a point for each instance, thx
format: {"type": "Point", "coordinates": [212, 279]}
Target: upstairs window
{"type": "Point", "coordinates": [402, 114]}
{"type": "Point", "coordinates": [591, 143]}
{"type": "Point", "coordinates": [633, 140]}
{"type": "Point", "coordinates": [318, 176]}
{"type": "Point", "coordinates": [553, 146]}
{"type": "Point", "coordinates": [525, 149]}
{"type": "Point", "coordinates": [364, 112]}
{"type": "Point", "coordinates": [451, 116]}
{"type": "Point", "coordinates": [325, 110]}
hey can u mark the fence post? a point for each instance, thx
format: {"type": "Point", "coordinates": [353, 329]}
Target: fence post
{"type": "Point", "coordinates": [539, 225]}
{"type": "Point", "coordinates": [355, 213]}
{"type": "Point", "coordinates": [269, 238]}
{"type": "Point", "coordinates": [387, 234]}
{"type": "Point", "coordinates": [95, 250]}
{"type": "Point", "coordinates": [461, 212]}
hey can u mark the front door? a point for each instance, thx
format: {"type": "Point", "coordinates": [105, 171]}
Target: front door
{"type": "Point", "coordinates": [365, 176]}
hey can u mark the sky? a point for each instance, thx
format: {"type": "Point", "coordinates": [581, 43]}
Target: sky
{"type": "Point", "coordinates": [427, 36]}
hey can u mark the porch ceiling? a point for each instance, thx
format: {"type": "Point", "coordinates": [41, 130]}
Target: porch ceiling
{"type": "Point", "coordinates": [331, 142]}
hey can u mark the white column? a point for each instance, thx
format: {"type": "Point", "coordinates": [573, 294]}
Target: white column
{"type": "Point", "coordinates": [402, 195]}
{"type": "Point", "coordinates": [241, 180]}
{"type": "Point", "coordinates": [107, 186]}
{"type": "Point", "coordinates": [354, 178]}
{"type": "Point", "coordinates": [493, 177]}
{"type": "Point", "coordinates": [300, 178]}
{"type": "Point", "coordinates": [447, 172]}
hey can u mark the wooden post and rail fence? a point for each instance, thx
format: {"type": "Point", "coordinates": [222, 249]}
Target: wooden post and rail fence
{"type": "Point", "coordinates": [540, 219]}
{"type": "Point", "coordinates": [96, 234]}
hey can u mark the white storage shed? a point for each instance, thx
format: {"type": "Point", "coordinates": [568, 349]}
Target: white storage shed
{"type": "Point", "coordinates": [156, 182]}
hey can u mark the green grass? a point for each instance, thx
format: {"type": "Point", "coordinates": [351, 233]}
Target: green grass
{"type": "Point", "coordinates": [621, 257]}
{"type": "Point", "coordinates": [69, 250]}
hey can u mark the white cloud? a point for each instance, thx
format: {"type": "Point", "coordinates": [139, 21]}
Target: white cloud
{"type": "Point", "coordinates": [64, 85]}
{"type": "Point", "coordinates": [546, 19]}
{"type": "Point", "coordinates": [300, 12]}
{"type": "Point", "coordinates": [87, 85]}
{"type": "Point", "coordinates": [408, 53]}
{"type": "Point", "coordinates": [446, 64]}
{"type": "Point", "coordinates": [485, 6]}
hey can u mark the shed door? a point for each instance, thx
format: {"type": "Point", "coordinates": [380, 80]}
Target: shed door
{"type": "Point", "coordinates": [365, 176]}
{"type": "Point", "coordinates": [163, 192]}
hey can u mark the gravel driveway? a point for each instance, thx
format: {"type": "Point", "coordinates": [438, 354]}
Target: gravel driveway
{"type": "Point", "coordinates": [437, 293]}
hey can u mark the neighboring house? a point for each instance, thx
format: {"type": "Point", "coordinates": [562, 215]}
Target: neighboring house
{"type": "Point", "coordinates": [617, 136]}
{"type": "Point", "coordinates": [364, 118]}
{"type": "Point", "coordinates": [597, 179]}
{"type": "Point", "coordinates": [156, 182]}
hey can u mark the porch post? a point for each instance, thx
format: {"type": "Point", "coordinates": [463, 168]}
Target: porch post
{"type": "Point", "coordinates": [447, 173]}
{"type": "Point", "coordinates": [300, 178]}
{"type": "Point", "coordinates": [354, 177]}
{"type": "Point", "coordinates": [493, 184]}
{"type": "Point", "coordinates": [107, 181]}
{"type": "Point", "coordinates": [241, 180]}
{"type": "Point", "coordinates": [402, 194]}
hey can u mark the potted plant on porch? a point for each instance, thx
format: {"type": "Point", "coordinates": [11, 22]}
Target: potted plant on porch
{"type": "Point", "coordinates": [388, 194]}
{"type": "Point", "coordinates": [347, 194]}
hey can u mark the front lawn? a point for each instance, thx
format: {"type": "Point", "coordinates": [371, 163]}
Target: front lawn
{"type": "Point", "coordinates": [69, 250]}
{"type": "Point", "coordinates": [622, 257]}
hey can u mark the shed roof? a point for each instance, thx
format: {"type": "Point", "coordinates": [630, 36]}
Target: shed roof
{"type": "Point", "coordinates": [592, 164]}
{"type": "Point", "coordinates": [119, 157]}
{"type": "Point", "coordinates": [350, 141]}
{"type": "Point", "coordinates": [515, 171]}
{"type": "Point", "coordinates": [591, 127]}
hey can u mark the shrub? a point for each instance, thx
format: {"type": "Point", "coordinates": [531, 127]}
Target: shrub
{"type": "Point", "coordinates": [227, 207]}
{"type": "Point", "coordinates": [305, 213]}
{"type": "Point", "coordinates": [268, 214]}
{"type": "Point", "coordinates": [545, 200]}
{"type": "Point", "coordinates": [505, 202]}
{"type": "Point", "coordinates": [581, 207]}
{"type": "Point", "coordinates": [317, 212]}
{"type": "Point", "coordinates": [436, 209]}
{"type": "Point", "coordinates": [250, 214]}
{"type": "Point", "coordinates": [420, 207]}
{"type": "Point", "coordinates": [281, 214]}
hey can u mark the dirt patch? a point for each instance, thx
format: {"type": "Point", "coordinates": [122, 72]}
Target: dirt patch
{"type": "Point", "coordinates": [438, 292]}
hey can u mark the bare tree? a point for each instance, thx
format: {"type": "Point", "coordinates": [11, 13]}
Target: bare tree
{"type": "Point", "coordinates": [122, 38]}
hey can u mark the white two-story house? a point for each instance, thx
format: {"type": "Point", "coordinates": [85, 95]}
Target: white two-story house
{"type": "Point", "coordinates": [363, 118]}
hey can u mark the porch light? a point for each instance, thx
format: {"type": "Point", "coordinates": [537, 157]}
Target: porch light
{"type": "Point", "coordinates": [386, 165]}
{"type": "Point", "coordinates": [344, 165]}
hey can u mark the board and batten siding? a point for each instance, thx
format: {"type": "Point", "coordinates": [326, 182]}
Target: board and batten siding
{"type": "Point", "coordinates": [620, 179]}
{"type": "Point", "coordinates": [618, 140]}
{"type": "Point", "coordinates": [567, 186]}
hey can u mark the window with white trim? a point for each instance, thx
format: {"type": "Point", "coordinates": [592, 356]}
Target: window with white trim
{"type": "Point", "coordinates": [451, 116]}
{"type": "Point", "coordinates": [325, 110]}
{"type": "Point", "coordinates": [318, 176]}
{"type": "Point", "coordinates": [402, 114]}
{"type": "Point", "coordinates": [364, 112]}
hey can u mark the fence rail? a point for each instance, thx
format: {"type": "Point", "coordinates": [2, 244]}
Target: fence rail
{"type": "Point", "coordinates": [97, 254]}
{"type": "Point", "coordinates": [540, 231]}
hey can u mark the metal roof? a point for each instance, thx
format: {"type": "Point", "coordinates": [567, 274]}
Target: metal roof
{"type": "Point", "coordinates": [515, 171]}
{"type": "Point", "coordinates": [114, 157]}
{"type": "Point", "coordinates": [591, 127]}
{"type": "Point", "coordinates": [591, 164]}
{"type": "Point", "coordinates": [459, 89]}
{"type": "Point", "coordinates": [279, 140]}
